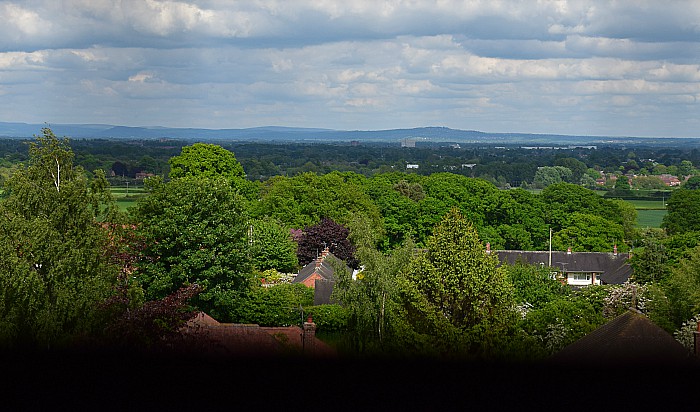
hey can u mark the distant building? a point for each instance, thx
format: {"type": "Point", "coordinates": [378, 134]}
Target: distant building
{"type": "Point", "coordinates": [575, 268]}
{"type": "Point", "coordinates": [411, 166]}
{"type": "Point", "coordinates": [408, 142]}
{"type": "Point", "coordinates": [670, 180]}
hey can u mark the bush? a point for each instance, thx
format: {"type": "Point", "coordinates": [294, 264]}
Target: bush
{"type": "Point", "coordinates": [329, 318]}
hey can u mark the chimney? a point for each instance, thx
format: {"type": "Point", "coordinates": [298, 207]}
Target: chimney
{"type": "Point", "coordinates": [615, 250]}
{"type": "Point", "coordinates": [488, 248]}
{"type": "Point", "coordinates": [309, 336]}
{"type": "Point", "coordinates": [568, 251]}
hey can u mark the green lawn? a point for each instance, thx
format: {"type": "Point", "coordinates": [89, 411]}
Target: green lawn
{"type": "Point", "coordinates": [648, 204]}
{"type": "Point", "coordinates": [126, 197]}
{"type": "Point", "coordinates": [650, 218]}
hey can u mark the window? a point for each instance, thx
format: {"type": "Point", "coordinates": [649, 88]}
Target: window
{"type": "Point", "coordinates": [582, 276]}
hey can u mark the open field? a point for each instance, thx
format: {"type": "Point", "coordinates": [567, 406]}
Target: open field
{"type": "Point", "coordinates": [648, 204]}
{"type": "Point", "coordinates": [126, 196]}
{"type": "Point", "coordinates": [649, 218]}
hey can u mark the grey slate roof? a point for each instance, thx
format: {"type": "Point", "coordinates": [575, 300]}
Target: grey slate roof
{"type": "Point", "coordinates": [630, 338]}
{"type": "Point", "coordinates": [322, 287]}
{"type": "Point", "coordinates": [325, 268]}
{"type": "Point", "coordinates": [613, 269]}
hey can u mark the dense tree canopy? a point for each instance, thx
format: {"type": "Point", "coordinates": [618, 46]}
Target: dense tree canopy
{"type": "Point", "coordinates": [205, 160]}
{"type": "Point", "coordinates": [456, 292]}
{"type": "Point", "coordinates": [683, 211]}
{"type": "Point", "coordinates": [195, 231]}
{"type": "Point", "coordinates": [53, 266]}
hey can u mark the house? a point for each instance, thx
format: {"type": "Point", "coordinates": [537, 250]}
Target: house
{"type": "Point", "coordinates": [628, 339]}
{"type": "Point", "coordinates": [670, 180]}
{"type": "Point", "coordinates": [319, 275]}
{"type": "Point", "coordinates": [207, 336]}
{"type": "Point", "coordinates": [577, 268]}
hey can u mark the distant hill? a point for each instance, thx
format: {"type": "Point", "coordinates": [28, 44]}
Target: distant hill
{"type": "Point", "coordinates": [293, 134]}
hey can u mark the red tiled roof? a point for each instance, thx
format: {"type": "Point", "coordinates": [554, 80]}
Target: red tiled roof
{"type": "Point", "coordinates": [218, 338]}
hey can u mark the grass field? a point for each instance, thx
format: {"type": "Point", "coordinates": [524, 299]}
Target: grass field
{"type": "Point", "coordinates": [648, 204]}
{"type": "Point", "coordinates": [650, 218]}
{"type": "Point", "coordinates": [126, 197]}
{"type": "Point", "coordinates": [650, 213]}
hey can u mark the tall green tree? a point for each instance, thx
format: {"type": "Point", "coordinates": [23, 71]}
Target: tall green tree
{"type": "Point", "coordinates": [194, 231]}
{"type": "Point", "coordinates": [375, 320]}
{"type": "Point", "coordinates": [456, 292]}
{"type": "Point", "coordinates": [53, 267]}
{"type": "Point", "coordinates": [271, 246]}
{"type": "Point", "coordinates": [205, 160]}
{"type": "Point", "coordinates": [683, 211]}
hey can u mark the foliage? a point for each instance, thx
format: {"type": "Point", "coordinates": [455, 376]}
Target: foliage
{"type": "Point", "coordinates": [372, 311]}
{"type": "Point", "coordinates": [686, 333]}
{"type": "Point", "coordinates": [305, 199]}
{"type": "Point", "coordinates": [588, 233]}
{"type": "Point", "coordinates": [561, 322]}
{"type": "Point", "coordinates": [54, 268]}
{"type": "Point", "coordinates": [549, 175]}
{"type": "Point", "coordinates": [194, 230]}
{"type": "Point", "coordinates": [650, 262]}
{"type": "Point", "coordinates": [534, 285]}
{"type": "Point", "coordinates": [563, 199]}
{"type": "Point", "coordinates": [155, 323]}
{"type": "Point", "coordinates": [456, 293]}
{"type": "Point", "coordinates": [276, 305]}
{"type": "Point", "coordinates": [413, 191]}
{"type": "Point", "coordinates": [271, 246]}
{"type": "Point", "coordinates": [682, 286]}
{"type": "Point", "coordinates": [207, 161]}
{"type": "Point", "coordinates": [326, 234]}
{"type": "Point", "coordinates": [692, 183]}
{"type": "Point", "coordinates": [683, 211]}
{"type": "Point", "coordinates": [329, 318]}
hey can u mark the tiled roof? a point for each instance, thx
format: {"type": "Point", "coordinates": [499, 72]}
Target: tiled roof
{"type": "Point", "coordinates": [614, 268]}
{"type": "Point", "coordinates": [216, 338]}
{"type": "Point", "coordinates": [321, 265]}
{"type": "Point", "coordinates": [629, 338]}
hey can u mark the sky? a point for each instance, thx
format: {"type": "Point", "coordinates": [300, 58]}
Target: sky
{"type": "Point", "coordinates": [615, 68]}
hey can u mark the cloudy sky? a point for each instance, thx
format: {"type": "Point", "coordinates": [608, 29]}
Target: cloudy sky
{"type": "Point", "coordinates": [622, 68]}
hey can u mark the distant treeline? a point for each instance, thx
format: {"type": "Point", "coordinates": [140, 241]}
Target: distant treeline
{"type": "Point", "coordinates": [505, 166]}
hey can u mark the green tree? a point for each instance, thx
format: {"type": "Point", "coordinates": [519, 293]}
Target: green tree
{"type": "Point", "coordinates": [304, 199]}
{"type": "Point", "coordinates": [534, 285]}
{"type": "Point", "coordinates": [682, 288]}
{"type": "Point", "coordinates": [683, 211]}
{"type": "Point", "coordinates": [589, 233]}
{"type": "Point", "coordinates": [456, 292]}
{"type": "Point", "coordinates": [205, 160]}
{"type": "Point", "coordinates": [53, 266]}
{"type": "Point", "coordinates": [577, 168]}
{"type": "Point", "coordinates": [195, 231]}
{"type": "Point", "coordinates": [549, 175]}
{"type": "Point", "coordinates": [271, 246]}
{"type": "Point", "coordinates": [691, 184]}
{"type": "Point", "coordinates": [685, 168]}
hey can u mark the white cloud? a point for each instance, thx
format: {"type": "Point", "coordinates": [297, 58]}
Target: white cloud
{"type": "Point", "coordinates": [562, 65]}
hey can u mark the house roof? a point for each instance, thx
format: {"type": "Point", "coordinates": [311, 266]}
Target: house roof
{"type": "Point", "coordinates": [323, 265]}
{"type": "Point", "coordinates": [613, 268]}
{"type": "Point", "coordinates": [322, 291]}
{"type": "Point", "coordinates": [630, 338]}
{"type": "Point", "coordinates": [214, 338]}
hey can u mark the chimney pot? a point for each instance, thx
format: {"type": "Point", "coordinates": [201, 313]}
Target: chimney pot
{"type": "Point", "coordinates": [568, 251]}
{"type": "Point", "coordinates": [488, 247]}
{"type": "Point", "coordinates": [615, 250]}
